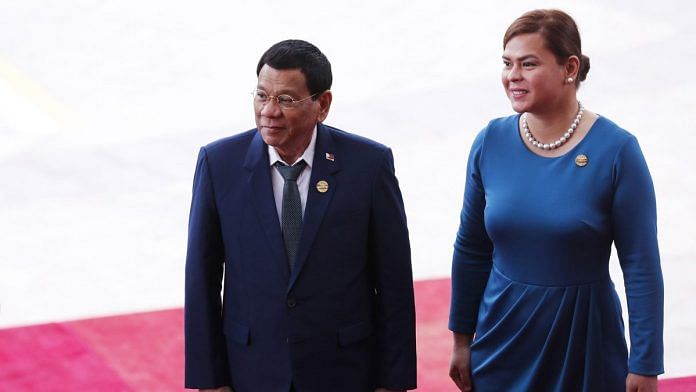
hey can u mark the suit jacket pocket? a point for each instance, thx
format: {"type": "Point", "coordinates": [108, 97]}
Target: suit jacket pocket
{"type": "Point", "coordinates": [354, 333]}
{"type": "Point", "coordinates": [237, 333]}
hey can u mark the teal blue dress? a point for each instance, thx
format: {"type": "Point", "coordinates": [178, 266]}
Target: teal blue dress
{"type": "Point", "coordinates": [530, 272]}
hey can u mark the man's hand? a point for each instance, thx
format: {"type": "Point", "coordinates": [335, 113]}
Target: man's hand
{"type": "Point", "coordinates": [221, 389]}
{"type": "Point", "coordinates": [638, 383]}
{"type": "Point", "coordinates": [460, 363]}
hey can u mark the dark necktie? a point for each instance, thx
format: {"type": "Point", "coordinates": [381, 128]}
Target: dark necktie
{"type": "Point", "coordinates": [291, 212]}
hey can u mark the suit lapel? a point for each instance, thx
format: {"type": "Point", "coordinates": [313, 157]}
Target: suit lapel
{"type": "Point", "coordinates": [261, 190]}
{"type": "Point", "coordinates": [323, 169]}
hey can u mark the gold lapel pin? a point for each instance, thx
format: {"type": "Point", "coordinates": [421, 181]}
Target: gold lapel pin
{"type": "Point", "coordinates": [581, 160]}
{"type": "Point", "coordinates": [322, 186]}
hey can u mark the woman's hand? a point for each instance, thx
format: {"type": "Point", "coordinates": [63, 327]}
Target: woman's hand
{"type": "Point", "coordinates": [460, 363]}
{"type": "Point", "coordinates": [638, 383]}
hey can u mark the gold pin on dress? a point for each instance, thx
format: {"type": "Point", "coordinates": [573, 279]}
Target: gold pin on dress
{"type": "Point", "coordinates": [581, 160]}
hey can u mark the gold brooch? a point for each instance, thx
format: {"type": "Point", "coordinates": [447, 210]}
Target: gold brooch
{"type": "Point", "coordinates": [581, 160]}
{"type": "Point", "coordinates": [322, 186]}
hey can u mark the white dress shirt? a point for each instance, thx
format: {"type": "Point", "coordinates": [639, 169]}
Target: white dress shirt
{"type": "Point", "coordinates": [302, 181]}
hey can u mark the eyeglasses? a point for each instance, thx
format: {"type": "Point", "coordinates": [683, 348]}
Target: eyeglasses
{"type": "Point", "coordinates": [284, 101]}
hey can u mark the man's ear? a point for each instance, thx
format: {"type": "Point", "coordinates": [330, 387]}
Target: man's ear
{"type": "Point", "coordinates": [324, 105]}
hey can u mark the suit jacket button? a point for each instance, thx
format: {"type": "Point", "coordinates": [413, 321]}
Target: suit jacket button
{"type": "Point", "coordinates": [291, 302]}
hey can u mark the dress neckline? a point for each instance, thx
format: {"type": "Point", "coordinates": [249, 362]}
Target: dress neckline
{"type": "Point", "coordinates": [567, 153]}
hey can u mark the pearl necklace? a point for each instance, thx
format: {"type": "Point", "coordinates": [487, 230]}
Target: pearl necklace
{"type": "Point", "coordinates": [561, 141]}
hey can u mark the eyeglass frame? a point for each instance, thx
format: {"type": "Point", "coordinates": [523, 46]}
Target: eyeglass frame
{"type": "Point", "coordinates": [292, 104]}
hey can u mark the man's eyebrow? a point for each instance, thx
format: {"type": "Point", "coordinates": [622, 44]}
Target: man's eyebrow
{"type": "Point", "coordinates": [279, 92]}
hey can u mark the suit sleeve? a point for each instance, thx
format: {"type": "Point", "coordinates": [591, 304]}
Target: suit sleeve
{"type": "Point", "coordinates": [205, 349]}
{"type": "Point", "coordinates": [390, 257]}
{"type": "Point", "coordinates": [635, 234]}
{"type": "Point", "coordinates": [473, 249]}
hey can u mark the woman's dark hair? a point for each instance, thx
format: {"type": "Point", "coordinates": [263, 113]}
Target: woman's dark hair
{"type": "Point", "coordinates": [560, 33]}
{"type": "Point", "coordinates": [298, 54]}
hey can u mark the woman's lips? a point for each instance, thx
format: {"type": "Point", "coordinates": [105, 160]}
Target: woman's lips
{"type": "Point", "coordinates": [518, 92]}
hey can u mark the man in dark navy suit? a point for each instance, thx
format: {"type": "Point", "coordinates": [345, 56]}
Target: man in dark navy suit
{"type": "Point", "coordinates": [306, 225]}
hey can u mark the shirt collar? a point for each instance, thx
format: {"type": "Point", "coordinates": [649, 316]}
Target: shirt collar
{"type": "Point", "coordinates": [307, 155]}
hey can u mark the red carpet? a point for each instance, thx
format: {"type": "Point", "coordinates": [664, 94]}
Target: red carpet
{"type": "Point", "coordinates": [144, 352]}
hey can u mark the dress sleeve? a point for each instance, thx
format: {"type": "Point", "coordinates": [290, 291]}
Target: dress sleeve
{"type": "Point", "coordinates": [635, 237]}
{"type": "Point", "coordinates": [473, 249]}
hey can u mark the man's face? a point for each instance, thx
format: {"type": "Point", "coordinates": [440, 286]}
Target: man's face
{"type": "Point", "coordinates": [289, 130]}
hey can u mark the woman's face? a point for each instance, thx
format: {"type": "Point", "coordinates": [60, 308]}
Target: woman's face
{"type": "Point", "coordinates": [533, 80]}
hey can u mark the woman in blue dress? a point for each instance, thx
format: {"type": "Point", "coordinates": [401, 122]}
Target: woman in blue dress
{"type": "Point", "coordinates": [548, 190]}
